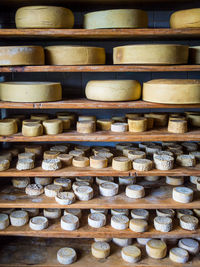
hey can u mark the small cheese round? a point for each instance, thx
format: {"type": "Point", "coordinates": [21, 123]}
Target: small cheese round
{"type": "Point", "coordinates": [116, 90]}
{"type": "Point", "coordinates": [104, 211]}
{"type": "Point", "coordinates": [178, 255]}
{"type": "Point", "coordinates": [4, 221]}
{"type": "Point", "coordinates": [186, 160]}
{"type": "Point", "coordinates": [119, 212]}
{"type": "Point", "coordinates": [122, 242]}
{"type": "Point", "coordinates": [182, 212]}
{"type": "Point", "coordinates": [26, 155]}
{"type": "Point", "coordinates": [108, 189]}
{"type": "Point", "coordinates": [121, 164]}
{"type": "Point", "coordinates": [43, 180]}
{"type": "Point", "coordinates": [100, 250]}
{"type": "Point", "coordinates": [163, 224]}
{"type": "Point", "coordinates": [174, 180]}
{"type": "Point", "coordinates": [189, 222]}
{"type": "Point", "coordinates": [8, 127]}
{"type": "Point", "coordinates": [107, 155]}
{"type": "Point", "coordinates": [77, 184]}
{"type": "Point", "coordinates": [76, 212]}
{"type": "Point", "coordinates": [163, 162]}
{"type": "Point", "coordinates": [140, 214]}
{"type": "Point", "coordinates": [85, 126]}
{"type": "Point", "coordinates": [51, 190]}
{"type": "Point", "coordinates": [20, 182]}
{"type": "Point", "coordinates": [119, 222]}
{"type": "Point", "coordinates": [143, 241]}
{"type": "Point", "coordinates": [67, 115]}
{"type": "Point", "coordinates": [4, 165]}
{"type": "Point", "coordinates": [25, 164]}
{"type": "Point", "coordinates": [64, 182]}
{"type": "Point", "coordinates": [69, 222]}
{"type": "Point", "coordinates": [165, 213]}
{"type": "Point", "coordinates": [40, 117]}
{"type": "Point", "coordinates": [127, 149]}
{"type": "Point", "coordinates": [119, 127]}
{"type": "Point", "coordinates": [59, 148]}
{"type": "Point", "coordinates": [131, 254]}
{"type": "Point", "coordinates": [86, 118]}
{"type": "Point", "coordinates": [189, 244]}
{"type": "Point", "coordinates": [38, 223]}
{"type": "Point", "coordinates": [126, 180]}
{"type": "Point", "coordinates": [52, 213]}
{"type": "Point", "coordinates": [138, 225]}
{"type": "Point", "coordinates": [34, 189]}
{"type": "Point", "coordinates": [51, 164]}
{"type": "Point", "coordinates": [50, 154]}
{"type": "Point", "coordinates": [65, 198]}
{"type": "Point", "coordinates": [182, 194]}
{"type": "Point", "coordinates": [32, 129]}
{"type": "Point", "coordinates": [88, 179]}
{"type": "Point", "coordinates": [156, 249]}
{"type": "Point", "coordinates": [98, 162]}
{"type": "Point", "coordinates": [132, 155]}
{"type": "Point", "coordinates": [104, 124]}
{"type": "Point", "coordinates": [188, 18]}
{"type": "Point", "coordinates": [53, 126]}
{"type": "Point", "coordinates": [177, 126]}
{"type": "Point", "coordinates": [18, 218]}
{"type": "Point", "coordinates": [80, 162]}
{"type": "Point", "coordinates": [137, 125]}
{"type": "Point", "coordinates": [135, 191]}
{"type": "Point", "coordinates": [96, 220]}
{"type": "Point", "coordinates": [84, 192]}
{"type": "Point", "coordinates": [76, 153]}
{"type": "Point", "coordinates": [103, 179]}
{"type": "Point", "coordinates": [66, 159]}
{"type": "Point", "coordinates": [66, 256]}
{"type": "Point", "coordinates": [142, 165]}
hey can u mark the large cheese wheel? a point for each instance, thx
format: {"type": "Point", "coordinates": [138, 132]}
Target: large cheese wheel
{"type": "Point", "coordinates": [188, 18]}
{"type": "Point", "coordinates": [160, 54]}
{"type": "Point", "coordinates": [44, 17]}
{"type": "Point", "coordinates": [113, 90]}
{"type": "Point", "coordinates": [172, 91]}
{"type": "Point", "coordinates": [116, 18]}
{"type": "Point", "coordinates": [194, 55]}
{"type": "Point", "coordinates": [74, 55]}
{"type": "Point", "coordinates": [30, 91]}
{"type": "Point", "coordinates": [21, 55]}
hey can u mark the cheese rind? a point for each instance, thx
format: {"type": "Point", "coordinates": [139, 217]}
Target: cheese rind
{"type": "Point", "coordinates": [34, 189]}
{"type": "Point", "coordinates": [189, 244]}
{"type": "Point", "coordinates": [84, 192]}
{"type": "Point", "coordinates": [182, 194]}
{"type": "Point", "coordinates": [178, 255]}
{"type": "Point", "coordinates": [108, 189]}
{"type": "Point", "coordinates": [96, 220]}
{"type": "Point", "coordinates": [100, 250]}
{"type": "Point", "coordinates": [163, 224]}
{"type": "Point", "coordinates": [69, 222]}
{"type": "Point", "coordinates": [32, 129]}
{"type": "Point", "coordinates": [54, 126]}
{"type": "Point", "coordinates": [188, 18]}
{"type": "Point", "coordinates": [18, 218]}
{"type": "Point", "coordinates": [189, 222]}
{"type": "Point", "coordinates": [66, 255]}
{"type": "Point", "coordinates": [65, 198]}
{"type": "Point", "coordinates": [20, 182]}
{"type": "Point", "coordinates": [135, 191]}
{"type": "Point", "coordinates": [156, 248]}
{"type": "Point", "coordinates": [4, 221]}
{"type": "Point", "coordinates": [52, 190]}
{"type": "Point", "coordinates": [52, 213]}
{"type": "Point", "coordinates": [119, 222]}
{"type": "Point", "coordinates": [121, 164]}
{"type": "Point", "coordinates": [138, 225]}
{"type": "Point", "coordinates": [8, 126]}
{"type": "Point", "coordinates": [131, 254]}
{"type": "Point", "coordinates": [194, 55]}
{"type": "Point", "coordinates": [38, 223]}
{"type": "Point", "coordinates": [51, 164]}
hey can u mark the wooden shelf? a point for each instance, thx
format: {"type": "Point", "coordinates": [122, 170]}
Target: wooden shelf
{"type": "Point", "coordinates": [42, 252]}
{"type": "Point", "coordinates": [102, 68]}
{"type": "Point", "coordinates": [107, 136]}
{"type": "Point", "coordinates": [88, 104]}
{"type": "Point", "coordinates": [133, 34]}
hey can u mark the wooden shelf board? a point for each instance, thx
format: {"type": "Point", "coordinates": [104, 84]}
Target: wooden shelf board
{"type": "Point", "coordinates": [107, 136]}
{"type": "Point", "coordinates": [102, 68]}
{"type": "Point", "coordinates": [88, 104]}
{"type": "Point", "coordinates": [42, 252]}
{"type": "Point", "coordinates": [150, 33]}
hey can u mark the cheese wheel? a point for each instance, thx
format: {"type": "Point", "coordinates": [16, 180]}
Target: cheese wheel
{"type": "Point", "coordinates": [76, 212]}
{"type": "Point", "coordinates": [137, 125]}
{"type": "Point", "coordinates": [151, 149]}
{"type": "Point", "coordinates": [59, 148]}
{"type": "Point", "coordinates": [138, 225]}
{"type": "Point", "coordinates": [135, 191]}
{"type": "Point", "coordinates": [32, 212]}
{"type": "Point", "coordinates": [163, 224]}
{"type": "Point", "coordinates": [172, 91]}
{"type": "Point", "coordinates": [126, 150]}
{"type": "Point", "coordinates": [86, 126]}
{"type": "Point", "coordinates": [104, 124]}
{"type": "Point", "coordinates": [88, 179]}
{"type": "Point", "coordinates": [165, 213]}
{"type": "Point", "coordinates": [74, 55]}
{"type": "Point", "coordinates": [4, 164]}
{"type": "Point", "coordinates": [108, 189]}
{"type": "Point", "coordinates": [100, 250]}
{"type": "Point", "coordinates": [186, 160]}
{"type": "Point", "coordinates": [158, 54]}
{"type": "Point", "coordinates": [104, 211]}
{"type": "Point", "coordinates": [116, 90]}
{"type": "Point", "coordinates": [34, 189]}
{"type": "Point", "coordinates": [182, 194]}
{"type": "Point", "coordinates": [188, 18]}
{"type": "Point", "coordinates": [134, 154]}
{"type": "Point", "coordinates": [32, 129]}
{"type": "Point", "coordinates": [26, 155]}
{"type": "Point", "coordinates": [119, 222]}
{"type": "Point", "coordinates": [175, 180]}
{"type": "Point", "coordinates": [98, 162]}
{"type": "Point", "coordinates": [66, 159]}
{"type": "Point", "coordinates": [4, 221]}
{"type": "Point", "coordinates": [65, 198]}
{"type": "Point", "coordinates": [194, 55]}
{"type": "Point", "coordinates": [178, 255]}
{"type": "Point", "coordinates": [122, 146]}
{"type": "Point", "coordinates": [177, 126]}
{"type": "Point", "coordinates": [143, 241]}
{"type": "Point", "coordinates": [50, 155]}
{"type": "Point", "coordinates": [80, 162]}
{"type": "Point", "coordinates": [156, 249]}
{"type": "Point", "coordinates": [8, 127]}
{"type": "Point", "coordinates": [52, 190]}
{"type": "Point", "coordinates": [190, 146]}
{"type": "Point", "coordinates": [20, 182]}
{"type": "Point", "coordinates": [122, 242]}
{"type": "Point", "coordinates": [25, 164]}
{"type": "Point", "coordinates": [119, 212]}
{"type": "Point", "coordinates": [163, 162]}
{"type": "Point", "coordinates": [119, 127]}
{"type": "Point", "coordinates": [151, 178]}
{"type": "Point", "coordinates": [126, 180]}
{"type": "Point", "coordinates": [159, 119]}
{"type": "Point", "coordinates": [44, 17]}
{"type": "Point", "coordinates": [36, 149]}
{"type": "Point", "coordinates": [21, 55]}
{"type": "Point", "coordinates": [38, 223]}
{"type": "Point", "coordinates": [52, 213]}
{"type": "Point", "coordinates": [76, 153]}
{"type": "Point", "coordinates": [140, 214]}
{"type": "Point", "coordinates": [103, 179]}
{"type": "Point", "coordinates": [40, 117]}
{"type": "Point", "coordinates": [54, 126]}
{"type": "Point", "coordinates": [67, 115]}
{"type": "Point", "coordinates": [142, 165]}
{"type": "Point", "coordinates": [96, 220]}
{"type": "Point", "coordinates": [121, 164]}
{"type": "Point", "coordinates": [77, 184]}
{"type": "Point", "coordinates": [18, 218]}
{"type": "Point", "coordinates": [64, 182]}
{"type": "Point", "coordinates": [84, 192]}
{"type": "Point", "coordinates": [69, 222]}
{"type": "Point", "coordinates": [87, 118]}
{"type": "Point", "coordinates": [66, 255]}
{"type": "Point", "coordinates": [182, 212]}
{"type": "Point", "coordinates": [51, 164]}
{"type": "Point", "coordinates": [30, 91]}
{"type": "Point", "coordinates": [189, 244]}
{"type": "Point", "coordinates": [193, 179]}
{"type": "Point", "coordinates": [107, 155]}
{"type": "Point", "coordinates": [116, 18]}
{"type": "Point", "coordinates": [189, 222]}
{"type": "Point", "coordinates": [131, 254]}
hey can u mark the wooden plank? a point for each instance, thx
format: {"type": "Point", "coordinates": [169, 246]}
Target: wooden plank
{"type": "Point", "coordinates": [107, 136]}
{"type": "Point", "coordinates": [133, 34]}
{"type": "Point", "coordinates": [88, 104]}
{"type": "Point", "coordinates": [102, 68]}
{"type": "Point", "coordinates": [42, 252]}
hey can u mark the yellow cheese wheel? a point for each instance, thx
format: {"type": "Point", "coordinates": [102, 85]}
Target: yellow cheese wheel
{"type": "Point", "coordinates": [160, 54]}
{"type": "Point", "coordinates": [8, 127]}
{"type": "Point", "coordinates": [116, 18]}
{"type": "Point", "coordinates": [189, 18]}
{"type": "Point", "coordinates": [30, 91]}
{"type": "Point", "coordinates": [74, 55]}
{"type": "Point", "coordinates": [32, 129]}
{"type": "Point", "coordinates": [172, 91]}
{"type": "Point", "coordinates": [194, 54]}
{"type": "Point", "coordinates": [21, 55]}
{"type": "Point", "coordinates": [113, 90]}
{"type": "Point", "coordinates": [44, 17]}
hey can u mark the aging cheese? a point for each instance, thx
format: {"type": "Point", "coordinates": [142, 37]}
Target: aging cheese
{"type": "Point", "coordinates": [194, 54]}
{"type": "Point", "coordinates": [52, 190]}
{"type": "Point", "coordinates": [74, 55]}
{"type": "Point", "coordinates": [189, 222]}
{"type": "Point", "coordinates": [156, 249]}
{"type": "Point", "coordinates": [119, 127]}
{"type": "Point", "coordinates": [44, 17]}
{"type": "Point", "coordinates": [4, 221]}
{"type": "Point", "coordinates": [25, 164]}
{"type": "Point", "coordinates": [8, 127]}
{"type": "Point", "coordinates": [86, 126]}
{"type": "Point", "coordinates": [104, 211]}
{"type": "Point", "coordinates": [38, 223]}
{"type": "Point", "coordinates": [32, 129]}
{"type": "Point", "coordinates": [65, 159]}
{"type": "Point", "coordinates": [121, 164]}
{"type": "Point", "coordinates": [50, 155]}
{"type": "Point", "coordinates": [20, 182]}
{"type": "Point", "coordinates": [80, 162]}
{"type": "Point", "coordinates": [64, 182]}
{"type": "Point", "coordinates": [116, 18]}
{"type": "Point", "coordinates": [51, 164]}
{"type": "Point", "coordinates": [119, 212]}
{"type": "Point", "coordinates": [65, 198]}
{"type": "Point", "coordinates": [113, 90]}
{"type": "Point", "coordinates": [177, 126]}
{"type": "Point", "coordinates": [140, 214]}
{"type": "Point", "coordinates": [172, 91]}
{"type": "Point", "coordinates": [100, 250]}
{"type": "Point", "coordinates": [163, 224]}
{"type": "Point", "coordinates": [54, 126]}
{"type": "Point", "coordinates": [108, 189]}
{"type": "Point", "coordinates": [52, 213]}
{"type": "Point", "coordinates": [135, 191]}
{"type": "Point", "coordinates": [30, 91]}
{"type": "Point", "coordinates": [98, 162]}
{"type": "Point", "coordinates": [189, 244]}
{"type": "Point", "coordinates": [122, 242]}
{"type": "Point", "coordinates": [69, 222]}
{"type": "Point", "coordinates": [104, 124]}
{"type": "Point", "coordinates": [182, 194]}
{"type": "Point", "coordinates": [66, 255]}
{"type": "Point", "coordinates": [158, 54]}
{"type": "Point", "coordinates": [21, 55]}
{"type": "Point", "coordinates": [188, 18]}
{"type": "Point", "coordinates": [96, 220]}
{"type": "Point", "coordinates": [76, 212]}
{"type": "Point", "coordinates": [84, 192]}
{"type": "Point", "coordinates": [131, 254]}
{"type": "Point", "coordinates": [137, 125]}
{"type": "Point", "coordinates": [138, 225]}
{"type": "Point", "coordinates": [119, 222]}
{"type": "Point", "coordinates": [34, 189]}
{"type": "Point", "coordinates": [18, 218]}
{"type": "Point", "coordinates": [179, 255]}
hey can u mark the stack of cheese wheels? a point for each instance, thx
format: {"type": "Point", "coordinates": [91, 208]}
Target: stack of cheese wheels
{"type": "Point", "coordinates": [160, 54]}
{"type": "Point", "coordinates": [21, 55]}
{"type": "Point", "coordinates": [194, 55]}
{"type": "Point", "coordinates": [116, 18]}
{"type": "Point", "coordinates": [113, 90]}
{"type": "Point", "coordinates": [74, 55]}
{"type": "Point", "coordinates": [188, 18]}
{"type": "Point", "coordinates": [172, 91]}
{"type": "Point", "coordinates": [30, 91]}
{"type": "Point", "coordinates": [44, 17]}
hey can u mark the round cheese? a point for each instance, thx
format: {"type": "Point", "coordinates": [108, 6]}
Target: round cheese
{"type": "Point", "coordinates": [138, 225]}
{"type": "Point", "coordinates": [158, 54]}
{"type": "Point", "coordinates": [38, 223]}
{"type": "Point", "coordinates": [103, 179]}
{"type": "Point", "coordinates": [121, 164]}
{"type": "Point", "coordinates": [126, 180]}
{"type": "Point", "coordinates": [69, 222]}
{"type": "Point", "coordinates": [30, 91]}
{"type": "Point", "coordinates": [64, 182]}
{"type": "Point", "coordinates": [119, 127]}
{"type": "Point", "coordinates": [66, 159]}
{"type": "Point", "coordinates": [74, 55]}
{"type": "Point", "coordinates": [156, 249]}
{"type": "Point", "coordinates": [164, 162]}
{"type": "Point", "coordinates": [126, 150]}
{"type": "Point", "coordinates": [86, 126]}
{"type": "Point", "coordinates": [142, 165]}
{"type": "Point", "coordinates": [77, 153]}
{"type": "Point", "coordinates": [119, 222]}
{"type": "Point", "coordinates": [178, 255]}
{"type": "Point", "coordinates": [20, 182]}
{"type": "Point", "coordinates": [98, 162]}
{"type": "Point", "coordinates": [143, 241]}
{"type": "Point", "coordinates": [52, 190]}
{"type": "Point", "coordinates": [34, 189]}
{"type": "Point", "coordinates": [88, 179]}
{"type": "Point", "coordinates": [189, 244]}
{"type": "Point", "coordinates": [189, 222]}
{"type": "Point", "coordinates": [39, 117]}
{"type": "Point", "coordinates": [175, 180]}
{"type": "Point", "coordinates": [104, 211]}
{"type": "Point", "coordinates": [26, 155]}
{"type": "Point", "coordinates": [32, 129]}
{"type": "Point", "coordinates": [108, 189]}
{"type": "Point", "coordinates": [186, 160]}
{"type": "Point", "coordinates": [172, 91]}
{"type": "Point", "coordinates": [76, 212]}
{"type": "Point", "coordinates": [84, 192]}
{"type": "Point", "coordinates": [116, 18]}
{"type": "Point", "coordinates": [18, 218]}
{"type": "Point", "coordinates": [66, 116]}
{"type": "Point", "coordinates": [151, 178]}
{"type": "Point", "coordinates": [50, 155]}
{"type": "Point", "coordinates": [182, 194]}
{"type": "Point", "coordinates": [163, 224]}
{"type": "Point", "coordinates": [100, 250]}
{"type": "Point", "coordinates": [116, 90]}
{"type": "Point", "coordinates": [122, 242]}
{"type": "Point", "coordinates": [137, 125]}
{"type": "Point", "coordinates": [188, 18]}
{"type": "Point", "coordinates": [54, 126]}
{"type": "Point", "coordinates": [32, 212]}
{"type": "Point", "coordinates": [177, 126]}
{"type": "Point", "coordinates": [96, 220]}
{"type": "Point", "coordinates": [36, 149]}
{"type": "Point", "coordinates": [52, 213]}
{"type": "Point", "coordinates": [77, 184]}
{"type": "Point", "coordinates": [51, 164]}
{"type": "Point", "coordinates": [80, 162]}
{"type": "Point", "coordinates": [134, 154]}
{"type": "Point", "coordinates": [87, 118]}
{"type": "Point", "coordinates": [66, 255]}
{"type": "Point", "coordinates": [59, 148]}
{"type": "Point", "coordinates": [140, 214]}
{"type": "Point", "coordinates": [190, 146]}
{"type": "Point", "coordinates": [104, 124]}
{"type": "Point", "coordinates": [65, 198]}
{"type": "Point", "coordinates": [131, 254]}
{"type": "Point", "coordinates": [135, 191]}
{"type": "Point", "coordinates": [107, 155]}
{"type": "Point", "coordinates": [44, 17]}
{"type": "Point", "coordinates": [4, 221]}
{"type": "Point", "coordinates": [25, 164]}
{"type": "Point", "coordinates": [165, 213]}
{"type": "Point", "coordinates": [8, 127]}
{"type": "Point", "coordinates": [182, 212]}
{"type": "Point", "coordinates": [119, 212]}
